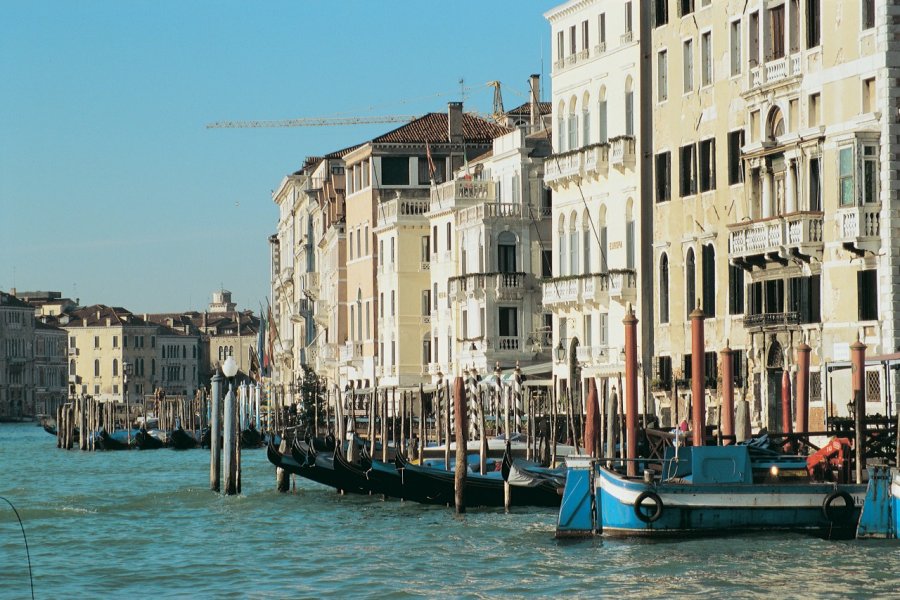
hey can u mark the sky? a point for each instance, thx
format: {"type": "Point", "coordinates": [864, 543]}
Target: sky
{"type": "Point", "coordinates": [112, 189]}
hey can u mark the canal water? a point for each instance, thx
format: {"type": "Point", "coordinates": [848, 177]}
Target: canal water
{"type": "Point", "coordinates": [145, 523]}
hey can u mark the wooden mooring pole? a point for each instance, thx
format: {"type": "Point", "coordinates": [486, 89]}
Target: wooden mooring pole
{"type": "Point", "coordinates": [459, 398]}
{"type": "Point", "coordinates": [215, 451]}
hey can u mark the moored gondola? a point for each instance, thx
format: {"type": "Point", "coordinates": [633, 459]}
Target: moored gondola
{"type": "Point", "coordinates": [118, 440]}
{"type": "Point", "coordinates": [146, 440]}
{"type": "Point", "coordinates": [179, 439]}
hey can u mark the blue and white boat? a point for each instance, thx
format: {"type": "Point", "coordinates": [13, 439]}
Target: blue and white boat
{"type": "Point", "coordinates": [707, 490]}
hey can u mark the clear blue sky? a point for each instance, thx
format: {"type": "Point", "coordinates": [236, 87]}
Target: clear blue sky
{"type": "Point", "coordinates": [113, 191]}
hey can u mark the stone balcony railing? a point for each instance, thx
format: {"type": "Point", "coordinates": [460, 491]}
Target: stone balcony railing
{"type": "Point", "coordinates": [507, 343]}
{"type": "Point", "coordinates": [771, 319]}
{"type": "Point", "coordinates": [503, 285]}
{"type": "Point", "coordinates": [859, 227]}
{"type": "Point", "coordinates": [626, 38]}
{"type": "Point", "coordinates": [777, 237]}
{"type": "Point", "coordinates": [621, 151]}
{"type": "Point", "coordinates": [446, 195]}
{"type": "Point", "coordinates": [489, 210]}
{"type": "Point", "coordinates": [589, 161]}
{"type": "Point", "coordinates": [309, 284]}
{"type": "Point", "coordinates": [599, 48]}
{"type": "Point", "coordinates": [592, 355]}
{"type": "Point", "coordinates": [623, 285]}
{"type": "Point", "coordinates": [402, 209]}
{"type": "Point", "coordinates": [563, 290]}
{"type": "Point", "coordinates": [776, 70]}
{"type": "Point", "coordinates": [595, 289]}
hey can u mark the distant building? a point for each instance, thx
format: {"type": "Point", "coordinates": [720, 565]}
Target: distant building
{"type": "Point", "coordinates": [50, 377]}
{"type": "Point", "coordinates": [17, 393]}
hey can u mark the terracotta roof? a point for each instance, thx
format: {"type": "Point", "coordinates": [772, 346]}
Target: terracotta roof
{"type": "Point", "coordinates": [98, 313]}
{"type": "Point", "coordinates": [524, 110]}
{"type": "Point", "coordinates": [432, 128]}
{"type": "Point", "coordinates": [343, 152]}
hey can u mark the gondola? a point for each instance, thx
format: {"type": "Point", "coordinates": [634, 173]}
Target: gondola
{"type": "Point", "coordinates": [429, 485]}
{"type": "Point", "coordinates": [180, 439]}
{"type": "Point", "coordinates": [251, 437]}
{"type": "Point", "coordinates": [319, 467]}
{"type": "Point", "coordinates": [354, 476]}
{"type": "Point", "coordinates": [283, 461]}
{"type": "Point", "coordinates": [145, 440]}
{"type": "Point", "coordinates": [531, 484]}
{"type": "Point", "coordinates": [117, 441]}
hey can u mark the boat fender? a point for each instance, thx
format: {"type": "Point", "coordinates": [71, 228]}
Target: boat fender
{"type": "Point", "coordinates": [657, 502]}
{"type": "Point", "coordinates": [837, 512]}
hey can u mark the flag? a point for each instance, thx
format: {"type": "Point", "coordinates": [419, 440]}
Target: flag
{"type": "Point", "coordinates": [273, 334]}
{"type": "Point", "coordinates": [431, 169]}
{"type": "Point", "coordinates": [260, 344]}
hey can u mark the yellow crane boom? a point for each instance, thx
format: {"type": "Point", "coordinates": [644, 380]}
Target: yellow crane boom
{"type": "Point", "coordinates": [313, 122]}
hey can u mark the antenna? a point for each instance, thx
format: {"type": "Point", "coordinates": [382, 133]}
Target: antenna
{"type": "Point", "coordinates": [462, 89]}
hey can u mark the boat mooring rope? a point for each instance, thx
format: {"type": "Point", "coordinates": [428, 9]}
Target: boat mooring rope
{"type": "Point", "coordinates": [27, 553]}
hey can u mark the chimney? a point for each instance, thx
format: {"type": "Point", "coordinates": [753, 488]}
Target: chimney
{"type": "Point", "coordinates": [12, 291]}
{"type": "Point", "coordinates": [535, 101]}
{"type": "Point", "coordinates": [108, 322]}
{"type": "Point", "coordinates": [455, 122]}
{"type": "Point", "coordinates": [204, 320]}
{"type": "Point", "coordinates": [98, 314]}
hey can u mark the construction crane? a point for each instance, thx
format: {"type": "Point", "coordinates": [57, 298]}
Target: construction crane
{"type": "Point", "coordinates": [498, 112]}
{"type": "Point", "coordinates": [313, 122]}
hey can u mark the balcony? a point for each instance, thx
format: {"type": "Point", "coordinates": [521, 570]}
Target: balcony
{"type": "Point", "coordinates": [623, 285]}
{"type": "Point", "coordinates": [776, 238]}
{"type": "Point", "coordinates": [560, 168]}
{"type": "Point", "coordinates": [592, 355]}
{"type": "Point", "coordinates": [462, 286]}
{"type": "Point", "coordinates": [563, 290]}
{"type": "Point", "coordinates": [763, 320]}
{"type": "Point", "coordinates": [595, 289]}
{"type": "Point", "coordinates": [859, 228]}
{"type": "Point", "coordinates": [309, 284]}
{"type": "Point", "coordinates": [465, 191]}
{"type": "Point", "coordinates": [776, 70]}
{"type": "Point", "coordinates": [302, 310]}
{"type": "Point", "coordinates": [626, 38]}
{"type": "Point", "coordinates": [596, 160]}
{"type": "Point", "coordinates": [621, 152]}
{"type": "Point", "coordinates": [506, 343]}
{"type": "Point", "coordinates": [351, 352]}
{"type": "Point", "coordinates": [489, 210]}
{"type": "Point", "coordinates": [390, 212]}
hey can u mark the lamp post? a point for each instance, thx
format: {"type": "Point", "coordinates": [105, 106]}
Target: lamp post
{"type": "Point", "coordinates": [229, 369]}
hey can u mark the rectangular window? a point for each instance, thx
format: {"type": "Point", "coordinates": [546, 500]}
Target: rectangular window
{"type": "Point", "coordinates": [707, 165]}
{"type": "Point", "coordinates": [115, 341]}
{"type": "Point", "coordinates": [560, 46]}
{"type": "Point", "coordinates": [426, 249]}
{"type": "Point", "coordinates": [96, 341]}
{"type": "Point", "coordinates": [688, 170]}
{"type": "Point", "coordinates": [813, 112]}
{"type": "Point", "coordinates": [507, 321]}
{"type": "Point", "coordinates": [393, 303]}
{"type": "Point", "coordinates": [688, 66]}
{"type": "Point", "coordinates": [870, 174]}
{"type": "Point", "coordinates": [813, 23]}
{"type": "Point", "coordinates": [465, 323]}
{"type": "Point", "coordinates": [585, 39]}
{"type": "Point", "coordinates": [706, 65]}
{"type": "Point", "coordinates": [685, 7]}
{"type": "Point", "coordinates": [426, 351]}
{"type": "Point", "coordinates": [846, 184]}
{"type": "Point", "coordinates": [365, 173]}
{"type": "Point", "coordinates": [629, 245]}
{"type": "Point", "coordinates": [776, 32]}
{"type": "Point", "coordinates": [664, 372]}
{"type": "Point", "coordinates": [368, 321]}
{"type": "Point", "coordinates": [735, 290]}
{"type": "Point", "coordinates": [794, 32]}
{"type": "Point", "coordinates": [815, 185]}
{"type": "Point", "coordinates": [663, 176]}
{"type": "Point", "coordinates": [805, 298]}
{"type": "Point", "coordinates": [662, 76]}
{"type": "Point", "coordinates": [572, 39]}
{"type": "Point", "coordinates": [711, 369]}
{"type": "Point", "coordinates": [868, 14]}
{"type": "Point", "coordinates": [602, 22]}
{"type": "Point", "coordinates": [426, 303]}
{"type": "Point", "coordinates": [867, 294]}
{"type": "Point", "coordinates": [735, 48]}
{"type": "Point", "coordinates": [603, 329]}
{"type": "Point", "coordinates": [660, 12]}
{"type": "Point", "coordinates": [434, 298]}
{"type": "Point", "coordinates": [868, 95]}
{"type": "Point", "coordinates": [434, 345]}
{"type": "Point", "coordinates": [573, 131]}
{"type": "Point", "coordinates": [628, 17]}
{"type": "Point", "coordinates": [753, 40]}
{"type": "Point", "coordinates": [735, 164]}
{"type": "Point", "coordinates": [394, 170]}
{"type": "Point", "coordinates": [449, 229]}
{"type": "Point", "coordinates": [604, 248]}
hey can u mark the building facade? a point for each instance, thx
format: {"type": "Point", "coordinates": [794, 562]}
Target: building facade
{"type": "Point", "coordinates": [601, 222]}
{"type": "Point", "coordinates": [17, 334]}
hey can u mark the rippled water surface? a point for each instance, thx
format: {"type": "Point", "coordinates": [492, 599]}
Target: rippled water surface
{"type": "Point", "coordinates": [144, 523]}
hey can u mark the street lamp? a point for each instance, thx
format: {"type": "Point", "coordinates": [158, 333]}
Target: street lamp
{"type": "Point", "coordinates": [561, 351]}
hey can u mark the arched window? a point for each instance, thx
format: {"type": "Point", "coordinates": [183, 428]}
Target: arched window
{"type": "Point", "coordinates": [230, 350]}
{"type": "Point", "coordinates": [573, 245]}
{"type": "Point", "coordinates": [573, 124]}
{"type": "Point", "coordinates": [96, 367]}
{"type": "Point", "coordinates": [562, 245]}
{"type": "Point", "coordinates": [664, 288]}
{"type": "Point", "coordinates": [184, 352]}
{"type": "Point", "coordinates": [115, 367]}
{"type": "Point", "coordinates": [586, 242]}
{"type": "Point", "coordinates": [561, 128]}
{"type": "Point", "coordinates": [604, 241]}
{"type": "Point", "coordinates": [709, 280]}
{"type": "Point", "coordinates": [72, 367]}
{"type": "Point", "coordinates": [690, 285]}
{"type": "Point", "coordinates": [586, 120]}
{"type": "Point", "coordinates": [603, 135]}
{"type": "Point", "coordinates": [506, 252]}
{"type": "Point", "coordinates": [152, 367]}
{"type": "Point", "coordinates": [630, 235]}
